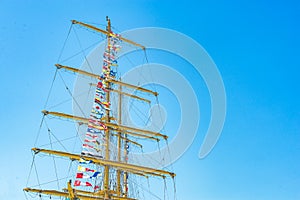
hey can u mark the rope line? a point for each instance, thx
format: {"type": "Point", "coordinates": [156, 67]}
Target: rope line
{"type": "Point", "coordinates": [58, 141]}
{"type": "Point", "coordinates": [174, 185]}
{"type": "Point", "coordinates": [145, 189]}
{"type": "Point", "coordinates": [39, 130]}
{"type": "Point", "coordinates": [76, 54]}
{"type": "Point", "coordinates": [37, 175]}
{"type": "Point", "coordinates": [45, 183]}
{"type": "Point", "coordinates": [70, 93]}
{"type": "Point", "coordinates": [54, 163]}
{"type": "Point", "coordinates": [69, 170]}
{"type": "Point", "coordinates": [51, 87]}
{"type": "Point", "coordinates": [150, 72]}
{"type": "Point", "coordinates": [31, 167]}
{"type": "Point", "coordinates": [65, 42]}
{"type": "Point", "coordinates": [82, 51]}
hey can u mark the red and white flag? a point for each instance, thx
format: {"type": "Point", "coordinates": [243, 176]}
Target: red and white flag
{"type": "Point", "coordinates": [79, 183]}
{"type": "Point", "coordinates": [87, 146]}
{"type": "Point", "coordinates": [87, 140]}
{"type": "Point", "coordinates": [91, 135]}
{"type": "Point", "coordinates": [81, 175]}
{"type": "Point", "coordinates": [85, 169]}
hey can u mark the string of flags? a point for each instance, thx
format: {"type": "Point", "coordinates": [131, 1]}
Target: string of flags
{"type": "Point", "coordinates": [85, 169]}
{"type": "Point", "coordinates": [83, 161]}
{"type": "Point", "coordinates": [82, 175]}
{"type": "Point", "coordinates": [80, 183]}
{"type": "Point", "coordinates": [95, 134]}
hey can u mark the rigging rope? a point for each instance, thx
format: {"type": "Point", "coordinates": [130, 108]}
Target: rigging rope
{"type": "Point", "coordinates": [145, 189]}
{"type": "Point", "coordinates": [61, 52]}
{"type": "Point", "coordinates": [25, 195]}
{"type": "Point", "coordinates": [70, 93]}
{"type": "Point", "coordinates": [142, 75]}
{"type": "Point", "coordinates": [54, 163]}
{"type": "Point", "coordinates": [82, 51]}
{"type": "Point", "coordinates": [163, 130]}
{"type": "Point", "coordinates": [31, 167]}
{"type": "Point", "coordinates": [59, 141]}
{"type": "Point", "coordinates": [49, 93]}
{"type": "Point", "coordinates": [39, 130]}
{"type": "Point", "coordinates": [87, 95]}
{"type": "Point", "coordinates": [169, 152]}
{"type": "Point", "coordinates": [150, 72]}
{"type": "Point", "coordinates": [77, 136]}
{"type": "Point", "coordinates": [161, 118]}
{"type": "Point", "coordinates": [51, 181]}
{"type": "Point", "coordinates": [69, 170]}
{"type": "Point", "coordinates": [65, 101]}
{"type": "Point", "coordinates": [76, 54]}
{"type": "Point", "coordinates": [165, 189]}
{"type": "Point", "coordinates": [150, 116]}
{"type": "Point", "coordinates": [174, 185]}
{"type": "Point", "coordinates": [37, 175]}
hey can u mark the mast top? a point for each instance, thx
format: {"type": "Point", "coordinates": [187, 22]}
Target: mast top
{"type": "Point", "coordinates": [108, 28]}
{"type": "Point", "coordinates": [108, 32]}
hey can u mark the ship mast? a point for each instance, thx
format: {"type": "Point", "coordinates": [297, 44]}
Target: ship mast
{"type": "Point", "coordinates": [119, 141]}
{"type": "Point", "coordinates": [112, 129]}
{"type": "Point", "coordinates": [107, 132]}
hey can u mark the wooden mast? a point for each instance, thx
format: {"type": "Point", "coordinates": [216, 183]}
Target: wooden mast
{"type": "Point", "coordinates": [119, 141]}
{"type": "Point", "coordinates": [107, 132]}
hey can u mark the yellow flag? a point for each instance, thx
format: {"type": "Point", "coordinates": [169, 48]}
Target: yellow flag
{"type": "Point", "coordinates": [80, 168]}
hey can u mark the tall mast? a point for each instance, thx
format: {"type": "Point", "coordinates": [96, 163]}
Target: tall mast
{"type": "Point", "coordinates": [125, 176]}
{"type": "Point", "coordinates": [109, 127]}
{"type": "Point", "coordinates": [119, 141]}
{"type": "Point", "coordinates": [107, 132]}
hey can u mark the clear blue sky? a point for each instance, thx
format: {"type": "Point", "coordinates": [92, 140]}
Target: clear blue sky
{"type": "Point", "coordinates": [255, 45]}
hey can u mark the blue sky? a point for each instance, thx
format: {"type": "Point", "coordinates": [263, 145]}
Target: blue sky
{"type": "Point", "coordinates": [255, 45]}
